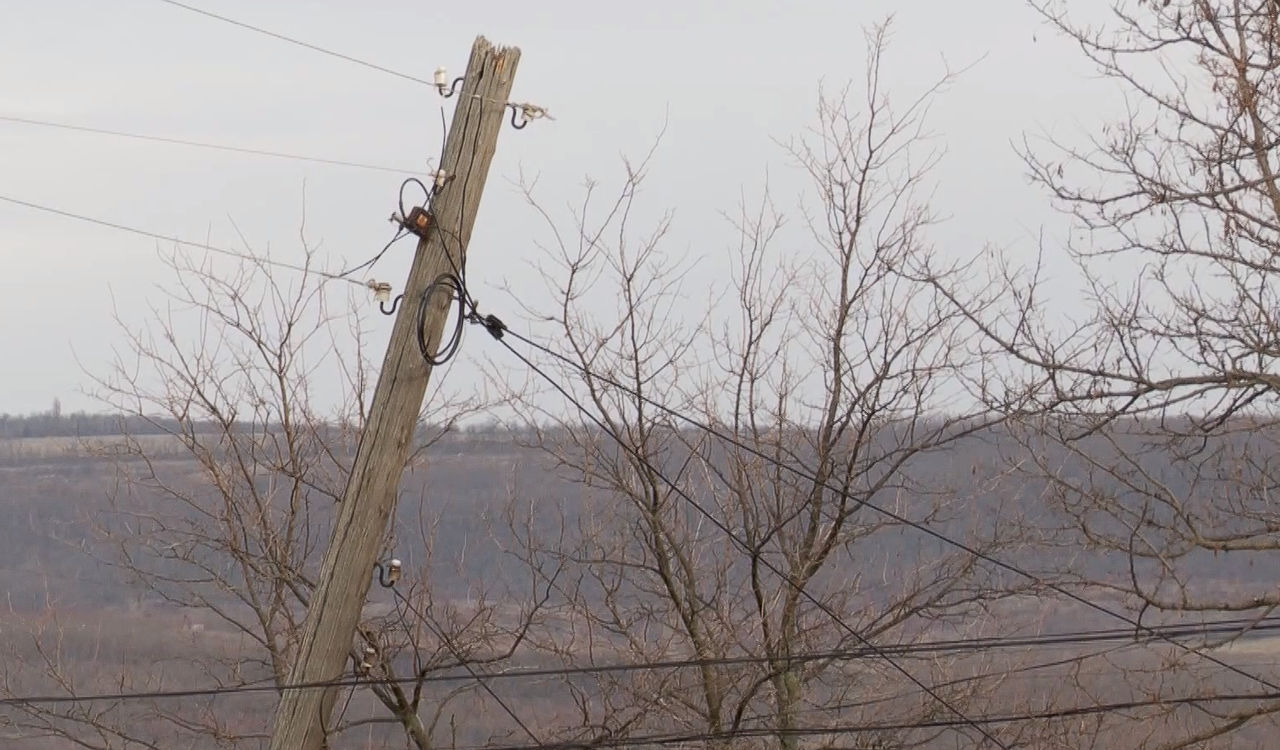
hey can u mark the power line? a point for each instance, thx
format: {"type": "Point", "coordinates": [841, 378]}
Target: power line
{"type": "Point", "coordinates": [202, 144]}
{"type": "Point", "coordinates": [179, 241]}
{"type": "Point", "coordinates": [856, 729]}
{"type": "Point", "coordinates": [1216, 627]}
{"type": "Point", "coordinates": [1001, 674]}
{"type": "Point", "coordinates": [801, 590]}
{"type": "Point", "coordinates": [809, 476]}
{"type": "Point", "coordinates": [300, 43]}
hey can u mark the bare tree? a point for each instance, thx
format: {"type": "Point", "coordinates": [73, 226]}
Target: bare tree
{"type": "Point", "coordinates": [1149, 413]}
{"type": "Point", "coordinates": [839, 382]}
{"type": "Point", "coordinates": [222, 504]}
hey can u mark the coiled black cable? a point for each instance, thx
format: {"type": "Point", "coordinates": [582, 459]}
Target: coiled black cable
{"type": "Point", "coordinates": [456, 288]}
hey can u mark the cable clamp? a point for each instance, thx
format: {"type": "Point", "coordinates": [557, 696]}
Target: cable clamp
{"type": "Point", "coordinates": [491, 323]}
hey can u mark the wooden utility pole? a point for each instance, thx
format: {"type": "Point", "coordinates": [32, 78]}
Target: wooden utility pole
{"type": "Point", "coordinates": [373, 487]}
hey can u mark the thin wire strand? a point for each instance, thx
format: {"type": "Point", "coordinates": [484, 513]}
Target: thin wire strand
{"type": "Point", "coordinates": [400, 234]}
{"type": "Point", "coordinates": [203, 144]}
{"type": "Point", "coordinates": [300, 43]}
{"type": "Point", "coordinates": [179, 241]}
{"type": "Point", "coordinates": [1215, 627]}
{"type": "Point", "coordinates": [923, 528]}
{"type": "Point", "coordinates": [801, 590]}
{"type": "Point", "coordinates": [999, 675]}
{"type": "Point", "coordinates": [865, 728]}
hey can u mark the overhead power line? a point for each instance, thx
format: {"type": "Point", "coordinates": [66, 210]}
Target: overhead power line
{"type": "Point", "coordinates": [179, 241]}
{"type": "Point", "coordinates": [763, 561]}
{"type": "Point", "coordinates": [810, 477]}
{"type": "Point", "coordinates": [300, 43]}
{"type": "Point", "coordinates": [497, 328]}
{"type": "Point", "coordinates": [202, 144]}
{"type": "Point", "coordinates": [1217, 627]}
{"type": "Point", "coordinates": [678, 738]}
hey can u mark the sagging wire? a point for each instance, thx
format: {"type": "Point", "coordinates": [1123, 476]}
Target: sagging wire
{"type": "Point", "coordinates": [883, 510]}
{"type": "Point", "coordinates": [298, 42]}
{"type": "Point", "coordinates": [468, 307]}
{"type": "Point", "coordinates": [374, 285]}
{"type": "Point", "coordinates": [205, 145]}
{"type": "Point", "coordinates": [254, 259]}
{"type": "Point", "coordinates": [878, 651]}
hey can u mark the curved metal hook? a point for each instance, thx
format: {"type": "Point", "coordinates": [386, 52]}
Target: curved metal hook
{"type": "Point", "coordinates": [395, 303]}
{"type": "Point", "coordinates": [517, 125]}
{"type": "Point", "coordinates": [453, 87]}
{"type": "Point", "coordinates": [387, 576]}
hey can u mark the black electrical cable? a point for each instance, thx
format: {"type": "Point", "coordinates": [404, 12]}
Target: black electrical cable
{"type": "Point", "coordinates": [425, 192]}
{"type": "Point", "coordinates": [455, 287]}
{"type": "Point", "coordinates": [400, 234]}
{"type": "Point", "coordinates": [678, 738]}
{"type": "Point", "coordinates": [1215, 627]}
{"type": "Point", "coordinates": [921, 527]}
{"type": "Point", "coordinates": [802, 591]}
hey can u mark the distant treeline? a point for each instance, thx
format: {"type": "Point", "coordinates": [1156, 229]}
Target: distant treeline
{"type": "Point", "coordinates": [78, 424]}
{"type": "Point", "coordinates": [54, 423]}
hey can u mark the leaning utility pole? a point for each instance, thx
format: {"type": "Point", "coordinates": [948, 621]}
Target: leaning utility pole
{"type": "Point", "coordinates": [373, 487]}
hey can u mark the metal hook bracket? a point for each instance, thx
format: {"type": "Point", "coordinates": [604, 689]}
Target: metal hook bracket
{"type": "Point", "coordinates": [451, 89]}
{"type": "Point", "coordinates": [388, 575]}
{"type": "Point", "coordinates": [395, 303]}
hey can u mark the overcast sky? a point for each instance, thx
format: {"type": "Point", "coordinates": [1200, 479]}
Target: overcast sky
{"type": "Point", "coordinates": [729, 79]}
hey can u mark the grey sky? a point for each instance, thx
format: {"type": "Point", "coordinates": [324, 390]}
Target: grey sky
{"type": "Point", "coordinates": [728, 78]}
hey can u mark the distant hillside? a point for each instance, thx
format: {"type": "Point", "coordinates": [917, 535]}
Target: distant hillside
{"type": "Point", "coordinates": [54, 489]}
